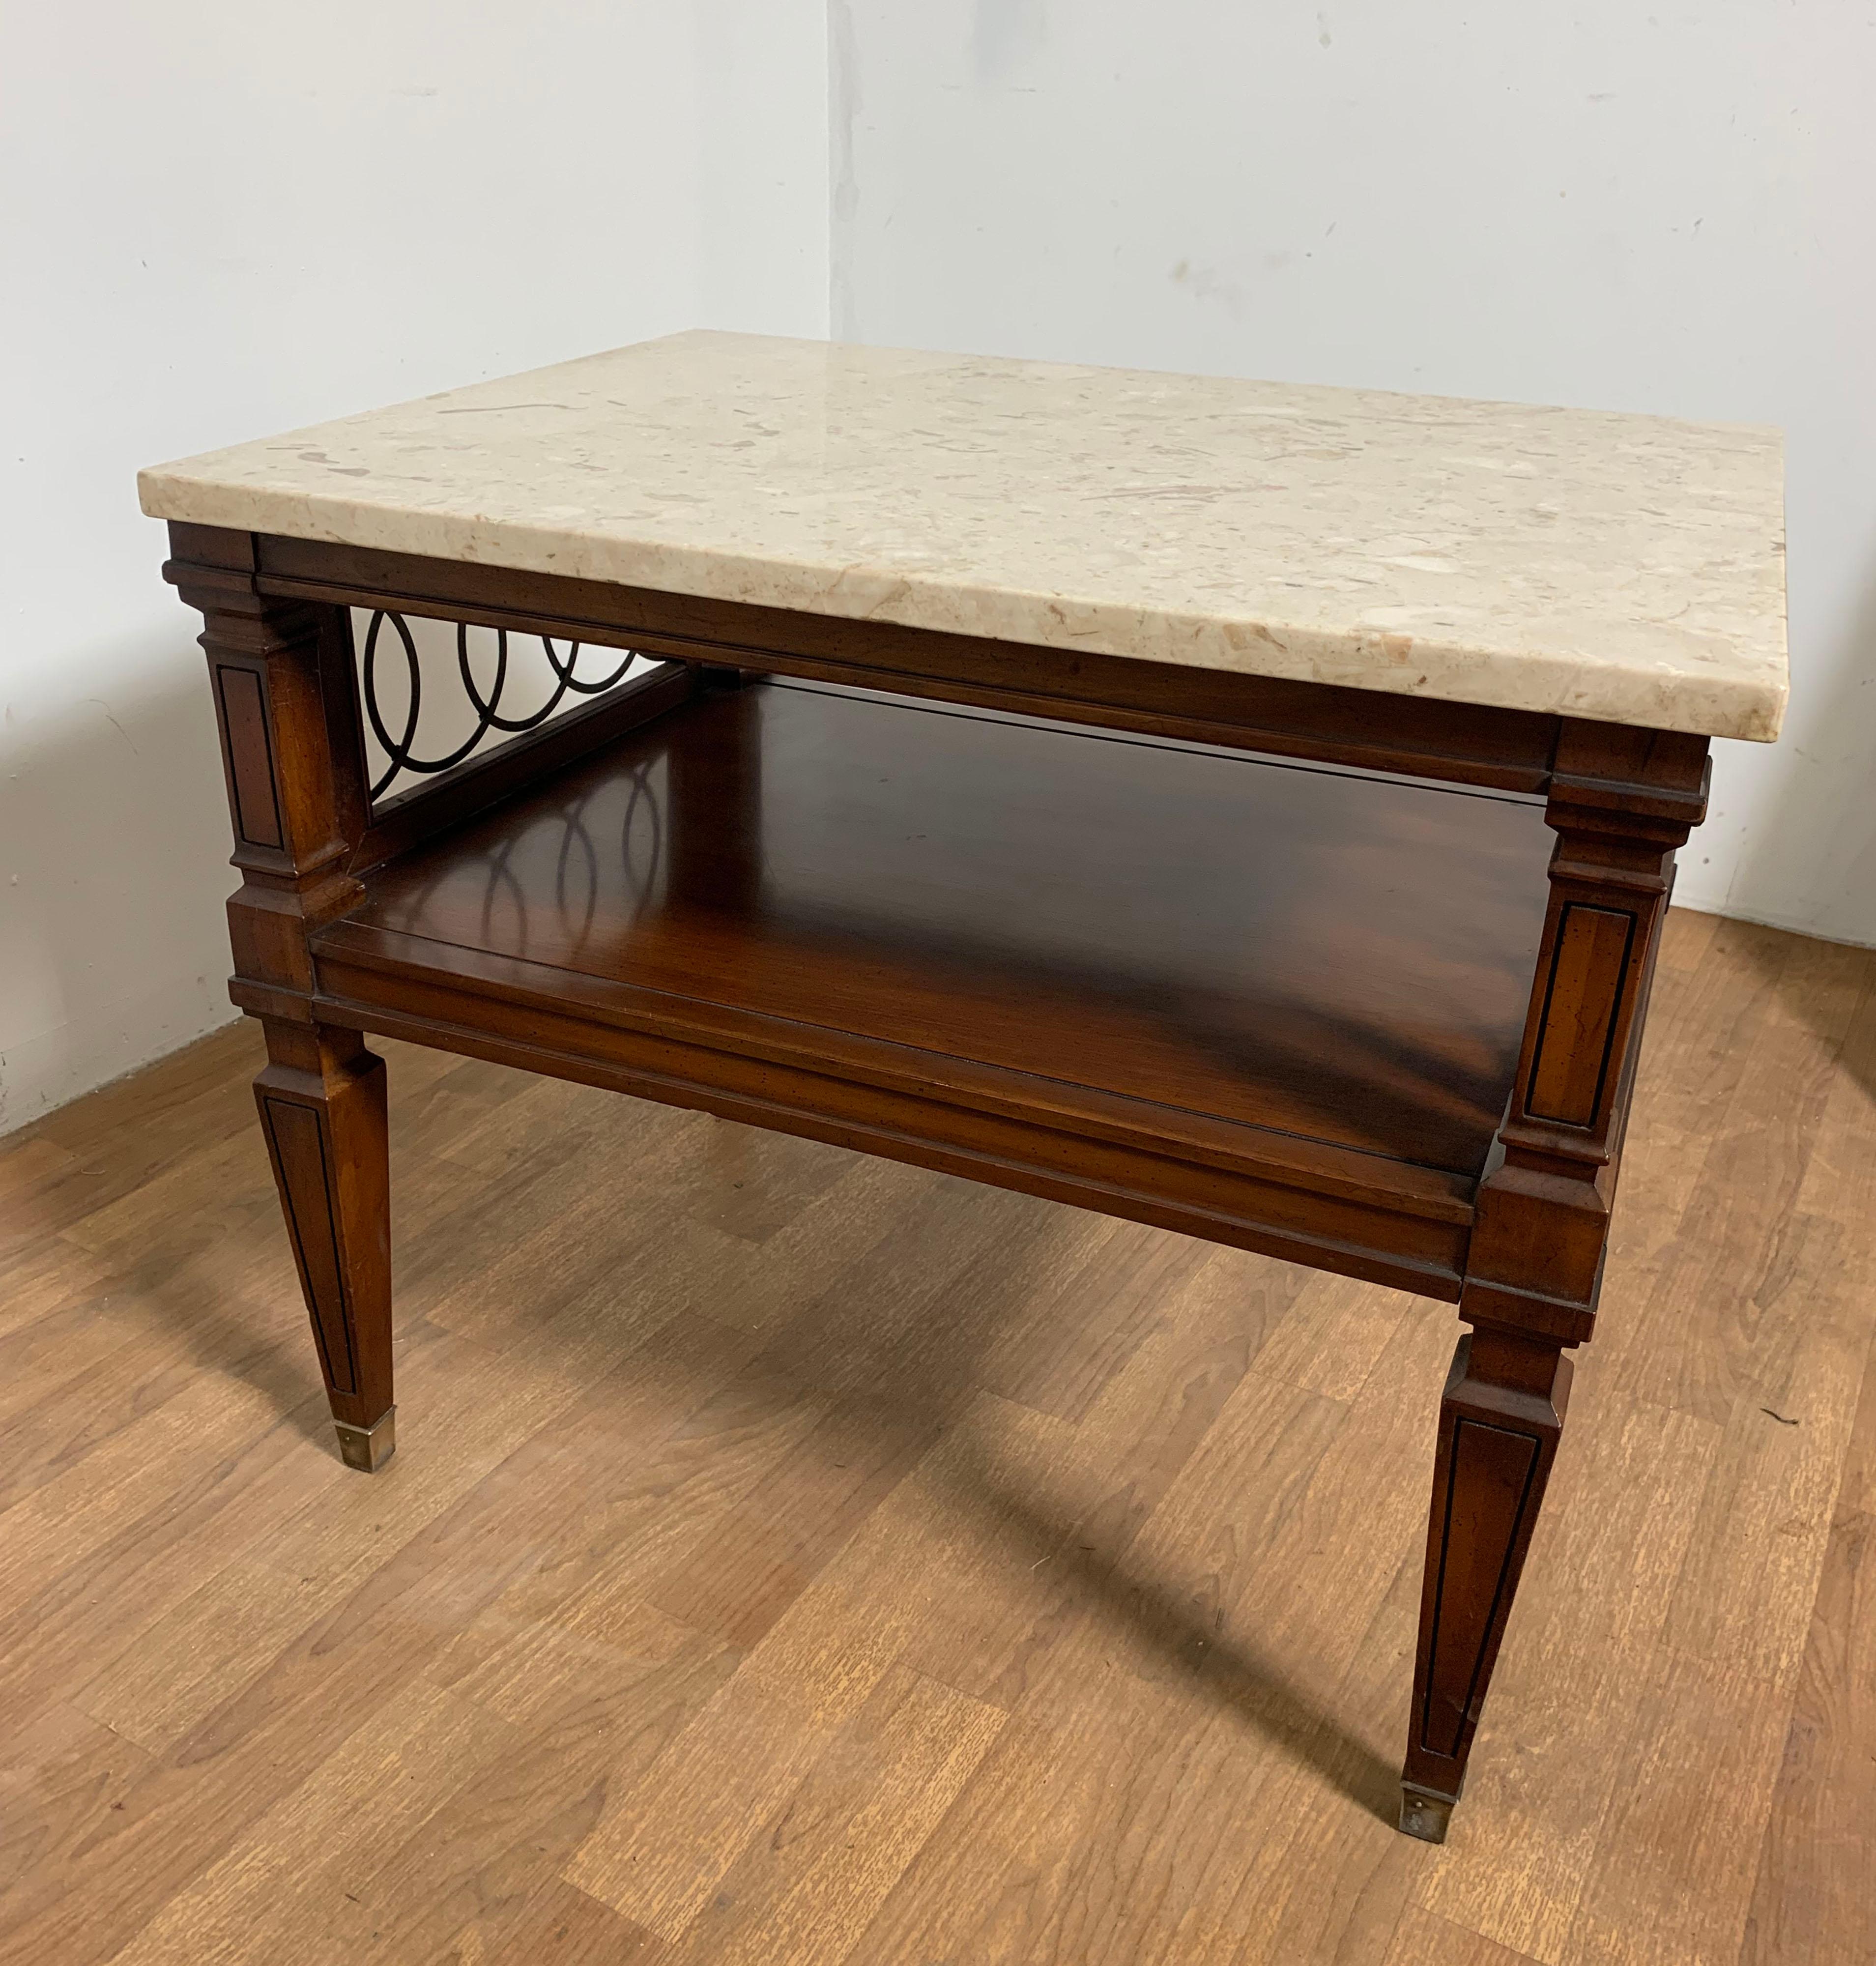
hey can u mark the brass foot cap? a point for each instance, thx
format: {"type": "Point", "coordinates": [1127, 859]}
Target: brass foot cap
{"type": "Point", "coordinates": [368, 1449]}
{"type": "Point", "coordinates": [1425, 1814]}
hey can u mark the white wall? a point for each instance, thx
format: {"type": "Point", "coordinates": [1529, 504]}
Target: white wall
{"type": "Point", "coordinates": [226, 219]}
{"type": "Point", "coordinates": [1669, 208]}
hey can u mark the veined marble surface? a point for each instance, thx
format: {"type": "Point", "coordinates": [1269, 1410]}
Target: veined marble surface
{"type": "Point", "coordinates": [1625, 568]}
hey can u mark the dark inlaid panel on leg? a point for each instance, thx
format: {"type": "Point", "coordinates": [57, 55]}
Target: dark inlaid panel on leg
{"type": "Point", "coordinates": [303, 1164]}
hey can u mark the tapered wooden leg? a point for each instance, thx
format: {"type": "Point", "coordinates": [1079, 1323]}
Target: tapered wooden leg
{"type": "Point", "coordinates": [322, 1107]}
{"type": "Point", "coordinates": [1499, 1426]}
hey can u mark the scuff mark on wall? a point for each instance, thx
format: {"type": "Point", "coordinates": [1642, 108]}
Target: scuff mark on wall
{"type": "Point", "coordinates": [115, 724]}
{"type": "Point", "coordinates": [1207, 284]}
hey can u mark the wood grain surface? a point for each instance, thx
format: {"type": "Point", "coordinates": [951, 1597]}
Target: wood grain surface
{"type": "Point", "coordinates": [813, 1558]}
{"type": "Point", "coordinates": [1342, 958]}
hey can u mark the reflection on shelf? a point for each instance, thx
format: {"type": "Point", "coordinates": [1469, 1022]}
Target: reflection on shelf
{"type": "Point", "coordinates": [1348, 959]}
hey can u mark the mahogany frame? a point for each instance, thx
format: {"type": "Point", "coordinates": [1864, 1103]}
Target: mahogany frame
{"type": "Point", "coordinates": [1520, 1250]}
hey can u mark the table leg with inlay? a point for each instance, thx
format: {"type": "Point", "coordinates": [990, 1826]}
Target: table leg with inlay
{"type": "Point", "coordinates": [1621, 802]}
{"type": "Point", "coordinates": [321, 1097]}
{"type": "Point", "coordinates": [280, 671]}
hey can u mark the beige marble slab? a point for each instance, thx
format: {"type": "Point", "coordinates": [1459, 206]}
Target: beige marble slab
{"type": "Point", "coordinates": [1625, 568]}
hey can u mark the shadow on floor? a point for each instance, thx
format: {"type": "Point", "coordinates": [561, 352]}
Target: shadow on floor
{"type": "Point", "coordinates": [1173, 1627]}
{"type": "Point", "coordinates": [897, 1338]}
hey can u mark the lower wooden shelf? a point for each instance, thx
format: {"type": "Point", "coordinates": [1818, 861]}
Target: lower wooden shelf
{"type": "Point", "coordinates": [1270, 1004]}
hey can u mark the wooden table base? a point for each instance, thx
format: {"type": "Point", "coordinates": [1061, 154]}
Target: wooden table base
{"type": "Point", "coordinates": [1092, 930]}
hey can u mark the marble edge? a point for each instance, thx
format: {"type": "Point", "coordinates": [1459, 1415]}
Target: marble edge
{"type": "Point", "coordinates": [1752, 709]}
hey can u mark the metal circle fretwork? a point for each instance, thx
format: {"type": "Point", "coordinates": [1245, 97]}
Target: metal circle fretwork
{"type": "Point", "coordinates": [401, 749]}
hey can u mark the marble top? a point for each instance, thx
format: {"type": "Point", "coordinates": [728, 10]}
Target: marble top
{"type": "Point", "coordinates": [1629, 568]}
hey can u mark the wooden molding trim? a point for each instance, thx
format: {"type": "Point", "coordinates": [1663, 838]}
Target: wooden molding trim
{"type": "Point", "coordinates": [851, 1095]}
{"type": "Point", "coordinates": [1462, 743]}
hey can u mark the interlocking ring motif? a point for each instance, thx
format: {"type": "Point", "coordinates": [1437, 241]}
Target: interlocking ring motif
{"type": "Point", "coordinates": [401, 750]}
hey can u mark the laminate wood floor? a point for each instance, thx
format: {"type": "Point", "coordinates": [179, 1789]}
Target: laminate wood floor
{"type": "Point", "coordinates": [796, 1557]}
